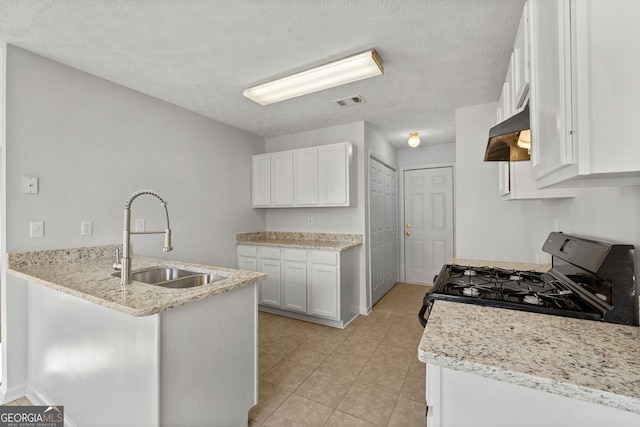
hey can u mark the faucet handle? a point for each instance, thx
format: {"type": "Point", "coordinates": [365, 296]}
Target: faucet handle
{"type": "Point", "coordinates": [167, 241]}
{"type": "Point", "coordinates": [118, 264]}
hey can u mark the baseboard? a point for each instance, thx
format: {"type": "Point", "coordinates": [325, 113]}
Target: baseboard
{"type": "Point", "coordinates": [40, 399]}
{"type": "Point", "coordinates": [13, 393]}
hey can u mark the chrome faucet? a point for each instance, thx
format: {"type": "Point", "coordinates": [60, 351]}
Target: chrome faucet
{"type": "Point", "coordinates": [125, 262]}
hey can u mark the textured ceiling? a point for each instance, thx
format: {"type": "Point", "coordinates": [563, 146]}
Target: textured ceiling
{"type": "Point", "coordinates": [438, 55]}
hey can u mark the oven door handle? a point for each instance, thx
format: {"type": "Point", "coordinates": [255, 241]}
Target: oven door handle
{"type": "Point", "coordinates": [423, 320]}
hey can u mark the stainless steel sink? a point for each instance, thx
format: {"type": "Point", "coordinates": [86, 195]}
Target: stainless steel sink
{"type": "Point", "coordinates": [171, 277]}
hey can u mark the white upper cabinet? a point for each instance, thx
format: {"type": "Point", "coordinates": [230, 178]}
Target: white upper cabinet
{"type": "Point", "coordinates": [261, 180]}
{"type": "Point", "coordinates": [334, 174]}
{"type": "Point", "coordinates": [316, 176]}
{"type": "Point", "coordinates": [282, 178]}
{"type": "Point", "coordinates": [585, 57]}
{"type": "Point", "coordinates": [520, 63]}
{"type": "Point", "coordinates": [515, 180]}
{"type": "Point", "coordinates": [305, 177]}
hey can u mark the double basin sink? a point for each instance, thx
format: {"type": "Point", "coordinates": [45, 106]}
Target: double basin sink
{"type": "Point", "coordinates": [172, 277]}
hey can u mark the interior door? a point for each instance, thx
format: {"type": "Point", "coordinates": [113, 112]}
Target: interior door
{"type": "Point", "coordinates": [428, 222]}
{"type": "Point", "coordinates": [383, 220]}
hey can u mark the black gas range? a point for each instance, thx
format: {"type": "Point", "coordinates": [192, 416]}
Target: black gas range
{"type": "Point", "coordinates": [588, 280]}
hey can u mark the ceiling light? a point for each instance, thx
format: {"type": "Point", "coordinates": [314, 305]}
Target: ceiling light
{"type": "Point", "coordinates": [414, 139]}
{"type": "Point", "coordinates": [353, 68]}
{"type": "Point", "coordinates": [524, 139]}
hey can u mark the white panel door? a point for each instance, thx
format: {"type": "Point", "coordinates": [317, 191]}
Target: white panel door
{"type": "Point", "coordinates": [428, 211]}
{"type": "Point", "coordinates": [383, 223]}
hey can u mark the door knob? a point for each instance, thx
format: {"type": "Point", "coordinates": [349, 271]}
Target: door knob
{"type": "Point", "coordinates": [408, 225]}
{"type": "Point", "coordinates": [408, 234]}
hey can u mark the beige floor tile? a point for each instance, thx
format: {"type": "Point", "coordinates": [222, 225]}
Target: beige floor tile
{"type": "Point", "coordinates": [392, 356]}
{"type": "Point", "coordinates": [298, 411]}
{"type": "Point", "coordinates": [270, 397]}
{"type": "Point", "coordinates": [12, 403]}
{"type": "Point", "coordinates": [266, 361]}
{"type": "Point", "coordinates": [324, 388]}
{"type": "Point", "coordinates": [408, 413]}
{"type": "Point", "coordinates": [309, 354]}
{"type": "Point", "coordinates": [368, 403]}
{"type": "Point", "coordinates": [343, 364]}
{"type": "Point", "coordinates": [341, 419]}
{"type": "Point", "coordinates": [279, 346]}
{"type": "Point", "coordinates": [414, 388]}
{"type": "Point", "coordinates": [23, 401]}
{"type": "Point", "coordinates": [253, 423]}
{"type": "Point", "coordinates": [382, 377]}
{"type": "Point", "coordinates": [287, 374]}
{"type": "Point", "coordinates": [359, 344]}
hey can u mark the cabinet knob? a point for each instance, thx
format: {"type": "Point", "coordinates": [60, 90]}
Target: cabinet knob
{"type": "Point", "coordinates": [408, 233]}
{"type": "Point", "coordinates": [408, 225]}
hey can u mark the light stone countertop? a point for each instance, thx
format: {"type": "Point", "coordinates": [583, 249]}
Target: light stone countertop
{"type": "Point", "coordinates": [300, 240]}
{"type": "Point", "coordinates": [87, 273]}
{"type": "Point", "coordinates": [588, 360]}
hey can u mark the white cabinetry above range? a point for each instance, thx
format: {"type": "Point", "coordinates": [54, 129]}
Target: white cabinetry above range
{"type": "Point", "coordinates": [514, 178]}
{"type": "Point", "coordinates": [585, 91]}
{"type": "Point", "coordinates": [307, 177]}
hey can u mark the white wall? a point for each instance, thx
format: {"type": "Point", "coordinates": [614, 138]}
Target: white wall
{"type": "Point", "coordinates": [426, 155]}
{"type": "Point", "coordinates": [493, 229]}
{"type": "Point", "coordinates": [92, 143]}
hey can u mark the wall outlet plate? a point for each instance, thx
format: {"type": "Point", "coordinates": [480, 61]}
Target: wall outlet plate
{"type": "Point", "coordinates": [86, 228]}
{"type": "Point", "coordinates": [30, 185]}
{"type": "Point", "coordinates": [36, 229]}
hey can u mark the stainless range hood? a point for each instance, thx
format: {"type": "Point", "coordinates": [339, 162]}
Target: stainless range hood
{"type": "Point", "coordinates": [510, 140]}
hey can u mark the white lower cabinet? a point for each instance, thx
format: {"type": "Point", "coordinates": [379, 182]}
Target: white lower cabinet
{"type": "Point", "coordinates": [295, 280]}
{"type": "Point", "coordinates": [324, 284]}
{"type": "Point", "coordinates": [460, 399]}
{"type": "Point", "coordinates": [313, 285]}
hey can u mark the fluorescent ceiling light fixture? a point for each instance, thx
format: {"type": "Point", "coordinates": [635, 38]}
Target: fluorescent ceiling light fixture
{"type": "Point", "coordinates": [351, 69]}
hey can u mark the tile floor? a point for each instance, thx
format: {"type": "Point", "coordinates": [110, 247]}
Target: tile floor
{"type": "Point", "coordinates": [365, 375]}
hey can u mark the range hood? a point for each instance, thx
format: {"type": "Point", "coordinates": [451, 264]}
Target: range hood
{"type": "Point", "coordinates": [510, 141]}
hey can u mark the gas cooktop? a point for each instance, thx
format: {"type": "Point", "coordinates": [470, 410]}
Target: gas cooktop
{"type": "Point", "coordinates": [588, 280]}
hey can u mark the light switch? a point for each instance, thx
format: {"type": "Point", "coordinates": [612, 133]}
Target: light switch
{"type": "Point", "coordinates": [36, 229]}
{"type": "Point", "coordinates": [86, 228]}
{"type": "Point", "coordinates": [30, 185]}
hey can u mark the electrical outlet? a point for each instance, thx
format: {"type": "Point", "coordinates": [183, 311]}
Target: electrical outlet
{"type": "Point", "coordinates": [140, 224]}
{"type": "Point", "coordinates": [86, 228]}
{"type": "Point", "coordinates": [29, 185]}
{"type": "Point", "coordinates": [36, 229]}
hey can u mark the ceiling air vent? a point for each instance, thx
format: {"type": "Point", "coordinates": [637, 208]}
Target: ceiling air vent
{"type": "Point", "coordinates": [350, 100]}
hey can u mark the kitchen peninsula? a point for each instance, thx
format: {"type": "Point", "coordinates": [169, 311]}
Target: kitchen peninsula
{"type": "Point", "coordinates": [139, 354]}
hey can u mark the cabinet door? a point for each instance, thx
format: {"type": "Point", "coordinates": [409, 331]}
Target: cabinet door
{"type": "Point", "coordinates": [551, 129]}
{"type": "Point", "coordinates": [295, 286]}
{"type": "Point", "coordinates": [521, 62]}
{"type": "Point", "coordinates": [305, 177]}
{"type": "Point", "coordinates": [282, 178]}
{"type": "Point", "coordinates": [261, 180]}
{"type": "Point", "coordinates": [246, 263]}
{"type": "Point", "coordinates": [270, 287]}
{"type": "Point", "coordinates": [325, 284]}
{"type": "Point", "coordinates": [334, 175]}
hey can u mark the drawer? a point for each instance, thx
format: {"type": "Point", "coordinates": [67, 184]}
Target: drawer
{"type": "Point", "coordinates": [299, 255]}
{"type": "Point", "coordinates": [270, 253]}
{"type": "Point", "coordinates": [327, 258]}
{"type": "Point", "coordinates": [250, 251]}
